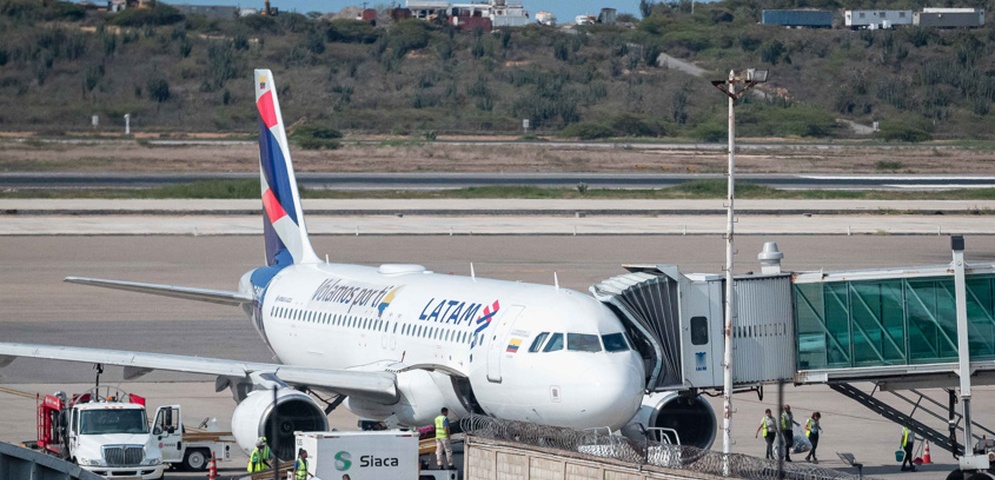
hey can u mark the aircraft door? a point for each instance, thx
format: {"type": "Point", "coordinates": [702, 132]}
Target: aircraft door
{"type": "Point", "coordinates": [392, 341]}
{"type": "Point", "coordinates": [169, 432]}
{"type": "Point", "coordinates": [499, 342]}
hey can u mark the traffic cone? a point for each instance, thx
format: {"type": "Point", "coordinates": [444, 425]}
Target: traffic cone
{"type": "Point", "coordinates": [212, 470]}
{"type": "Point", "coordinates": [925, 455]}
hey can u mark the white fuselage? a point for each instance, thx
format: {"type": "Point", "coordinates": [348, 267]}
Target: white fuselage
{"type": "Point", "coordinates": [445, 335]}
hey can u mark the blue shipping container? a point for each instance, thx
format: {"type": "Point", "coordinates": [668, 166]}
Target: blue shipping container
{"type": "Point", "coordinates": [798, 18]}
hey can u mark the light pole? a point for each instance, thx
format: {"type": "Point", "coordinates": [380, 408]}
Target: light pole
{"type": "Point", "coordinates": [746, 80]}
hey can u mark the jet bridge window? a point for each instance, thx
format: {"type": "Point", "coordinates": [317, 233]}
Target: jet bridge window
{"type": "Point", "coordinates": [555, 343]}
{"type": "Point", "coordinates": [699, 330]}
{"type": "Point", "coordinates": [583, 342]}
{"type": "Point", "coordinates": [615, 342]}
{"type": "Point", "coordinates": [538, 342]}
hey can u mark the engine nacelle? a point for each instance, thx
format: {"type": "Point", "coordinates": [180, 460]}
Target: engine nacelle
{"type": "Point", "coordinates": [691, 417]}
{"type": "Point", "coordinates": [295, 411]}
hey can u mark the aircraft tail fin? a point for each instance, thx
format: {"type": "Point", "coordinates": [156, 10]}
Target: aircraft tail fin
{"type": "Point", "coordinates": [283, 219]}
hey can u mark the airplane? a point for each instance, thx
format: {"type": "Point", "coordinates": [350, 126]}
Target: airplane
{"type": "Point", "coordinates": [395, 341]}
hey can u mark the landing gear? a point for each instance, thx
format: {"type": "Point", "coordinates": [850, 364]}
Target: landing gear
{"type": "Point", "coordinates": [959, 474]}
{"type": "Point", "coordinates": [980, 476]}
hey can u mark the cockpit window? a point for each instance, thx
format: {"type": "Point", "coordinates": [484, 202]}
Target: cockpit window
{"type": "Point", "coordinates": [615, 342]}
{"type": "Point", "coordinates": [555, 343]}
{"type": "Point", "coordinates": [582, 342]}
{"type": "Point", "coordinates": [538, 342]}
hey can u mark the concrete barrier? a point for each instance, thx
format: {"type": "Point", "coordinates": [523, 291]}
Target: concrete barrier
{"type": "Point", "coordinates": [20, 462]}
{"type": "Point", "coordinates": [487, 459]}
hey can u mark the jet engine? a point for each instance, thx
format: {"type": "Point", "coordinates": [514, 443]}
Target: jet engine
{"type": "Point", "coordinates": [690, 416]}
{"type": "Point", "coordinates": [295, 411]}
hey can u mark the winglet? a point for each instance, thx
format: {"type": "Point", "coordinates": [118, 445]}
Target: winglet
{"type": "Point", "coordinates": [283, 218]}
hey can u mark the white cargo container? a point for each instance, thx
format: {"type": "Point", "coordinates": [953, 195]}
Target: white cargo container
{"type": "Point", "coordinates": [362, 455]}
{"type": "Point", "coordinates": [875, 19]}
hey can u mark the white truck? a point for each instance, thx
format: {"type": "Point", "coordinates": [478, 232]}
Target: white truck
{"type": "Point", "coordinates": [103, 430]}
{"type": "Point", "coordinates": [188, 450]}
{"type": "Point", "coordinates": [365, 455]}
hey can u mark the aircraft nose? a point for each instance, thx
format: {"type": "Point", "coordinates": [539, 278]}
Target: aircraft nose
{"type": "Point", "coordinates": [614, 392]}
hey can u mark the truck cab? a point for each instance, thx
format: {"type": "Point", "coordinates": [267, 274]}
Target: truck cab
{"type": "Point", "coordinates": [191, 451]}
{"type": "Point", "coordinates": [112, 439]}
{"type": "Point", "coordinates": [103, 430]}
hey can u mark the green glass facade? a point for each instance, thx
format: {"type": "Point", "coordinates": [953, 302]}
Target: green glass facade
{"type": "Point", "coordinates": [895, 321]}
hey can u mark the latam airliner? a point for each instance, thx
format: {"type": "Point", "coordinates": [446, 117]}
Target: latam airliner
{"type": "Point", "coordinates": [394, 341]}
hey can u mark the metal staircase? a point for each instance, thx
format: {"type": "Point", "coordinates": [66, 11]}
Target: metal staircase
{"type": "Point", "coordinates": [946, 441]}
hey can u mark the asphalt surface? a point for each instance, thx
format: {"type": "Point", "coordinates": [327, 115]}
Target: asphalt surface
{"type": "Point", "coordinates": [39, 307]}
{"type": "Point", "coordinates": [441, 181]}
{"type": "Point", "coordinates": [502, 217]}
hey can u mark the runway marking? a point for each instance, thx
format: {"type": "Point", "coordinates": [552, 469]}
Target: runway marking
{"type": "Point", "coordinates": [18, 393]}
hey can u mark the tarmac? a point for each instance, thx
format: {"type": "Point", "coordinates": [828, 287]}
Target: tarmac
{"type": "Point", "coordinates": [502, 217]}
{"type": "Point", "coordinates": [190, 242]}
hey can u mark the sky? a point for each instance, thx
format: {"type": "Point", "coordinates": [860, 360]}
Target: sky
{"type": "Point", "coordinates": [565, 10]}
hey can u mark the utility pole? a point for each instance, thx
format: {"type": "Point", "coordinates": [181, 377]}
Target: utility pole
{"type": "Point", "coordinates": [750, 80]}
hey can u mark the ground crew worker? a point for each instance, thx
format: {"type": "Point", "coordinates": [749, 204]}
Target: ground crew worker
{"type": "Point", "coordinates": [442, 442]}
{"type": "Point", "coordinates": [260, 457]}
{"type": "Point", "coordinates": [812, 431]}
{"type": "Point", "coordinates": [300, 466]}
{"type": "Point", "coordinates": [908, 439]}
{"type": "Point", "coordinates": [787, 431]}
{"type": "Point", "coordinates": [769, 428]}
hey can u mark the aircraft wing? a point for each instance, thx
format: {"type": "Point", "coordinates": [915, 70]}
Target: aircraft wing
{"type": "Point", "coordinates": [200, 294]}
{"type": "Point", "coordinates": [377, 386]}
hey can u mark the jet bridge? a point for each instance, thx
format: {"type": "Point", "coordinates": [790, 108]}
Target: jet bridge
{"type": "Point", "coordinates": [677, 322]}
{"type": "Point", "coordinates": [895, 329]}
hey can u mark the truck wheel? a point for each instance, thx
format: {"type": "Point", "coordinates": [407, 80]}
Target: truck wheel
{"type": "Point", "coordinates": [981, 476]}
{"type": "Point", "coordinates": [195, 460]}
{"type": "Point", "coordinates": [957, 474]}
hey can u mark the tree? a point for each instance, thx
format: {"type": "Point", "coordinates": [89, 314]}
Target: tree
{"type": "Point", "coordinates": [158, 89]}
{"type": "Point", "coordinates": [646, 8]}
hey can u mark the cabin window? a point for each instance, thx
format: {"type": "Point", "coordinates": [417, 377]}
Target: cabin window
{"type": "Point", "coordinates": [583, 342]}
{"type": "Point", "coordinates": [615, 342]}
{"type": "Point", "coordinates": [555, 343]}
{"type": "Point", "coordinates": [537, 343]}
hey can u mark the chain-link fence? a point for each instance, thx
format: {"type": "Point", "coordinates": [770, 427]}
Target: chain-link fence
{"type": "Point", "coordinates": [601, 443]}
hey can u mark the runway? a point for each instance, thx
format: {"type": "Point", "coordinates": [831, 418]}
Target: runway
{"type": "Point", "coordinates": [443, 181]}
{"type": "Point", "coordinates": [39, 308]}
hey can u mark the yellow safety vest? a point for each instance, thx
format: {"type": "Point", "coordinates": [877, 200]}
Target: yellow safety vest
{"type": "Point", "coordinates": [905, 437]}
{"type": "Point", "coordinates": [265, 454]}
{"type": "Point", "coordinates": [255, 462]}
{"type": "Point", "coordinates": [301, 472]}
{"type": "Point", "coordinates": [763, 425]}
{"type": "Point", "coordinates": [808, 427]}
{"type": "Point", "coordinates": [440, 427]}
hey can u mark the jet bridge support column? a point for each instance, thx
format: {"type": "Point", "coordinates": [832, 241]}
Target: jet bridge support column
{"type": "Point", "coordinates": [969, 461]}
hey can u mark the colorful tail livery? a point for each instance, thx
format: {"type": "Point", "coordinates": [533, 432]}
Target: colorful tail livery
{"type": "Point", "coordinates": [283, 219]}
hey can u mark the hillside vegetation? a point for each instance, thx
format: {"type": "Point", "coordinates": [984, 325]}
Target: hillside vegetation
{"type": "Point", "coordinates": [59, 65]}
